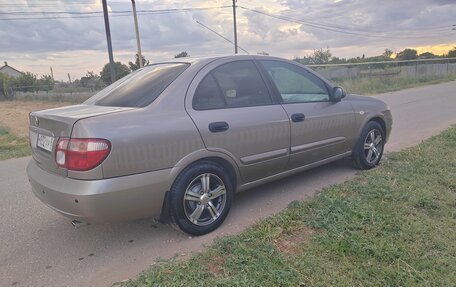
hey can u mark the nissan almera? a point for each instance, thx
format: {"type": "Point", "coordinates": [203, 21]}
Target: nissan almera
{"type": "Point", "coordinates": [177, 140]}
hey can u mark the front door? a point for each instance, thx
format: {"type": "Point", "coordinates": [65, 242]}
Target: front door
{"type": "Point", "coordinates": [235, 114]}
{"type": "Point", "coordinates": [320, 128]}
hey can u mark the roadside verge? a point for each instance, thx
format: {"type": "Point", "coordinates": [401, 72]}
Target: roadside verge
{"type": "Point", "coordinates": [393, 225]}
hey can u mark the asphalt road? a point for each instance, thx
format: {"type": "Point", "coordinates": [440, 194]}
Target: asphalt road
{"type": "Point", "coordinates": [41, 248]}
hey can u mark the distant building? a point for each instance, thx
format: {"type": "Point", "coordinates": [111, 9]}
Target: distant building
{"type": "Point", "coordinates": [10, 71]}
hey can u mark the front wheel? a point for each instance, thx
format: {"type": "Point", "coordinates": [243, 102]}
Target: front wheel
{"type": "Point", "coordinates": [369, 149]}
{"type": "Point", "coordinates": [200, 198]}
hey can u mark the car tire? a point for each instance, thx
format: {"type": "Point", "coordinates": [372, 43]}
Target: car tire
{"type": "Point", "coordinates": [368, 150]}
{"type": "Point", "coordinates": [200, 198]}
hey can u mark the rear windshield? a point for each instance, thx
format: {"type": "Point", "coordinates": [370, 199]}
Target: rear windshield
{"type": "Point", "coordinates": [139, 88]}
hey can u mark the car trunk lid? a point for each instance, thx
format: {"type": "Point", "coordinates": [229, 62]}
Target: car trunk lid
{"type": "Point", "coordinates": [47, 126]}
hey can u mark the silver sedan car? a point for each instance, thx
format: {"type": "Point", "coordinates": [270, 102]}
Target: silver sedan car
{"type": "Point", "coordinates": [176, 140]}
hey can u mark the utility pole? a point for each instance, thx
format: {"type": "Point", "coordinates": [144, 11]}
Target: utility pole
{"type": "Point", "coordinates": [112, 67]}
{"type": "Point", "coordinates": [52, 74]}
{"type": "Point", "coordinates": [235, 27]}
{"type": "Point", "coordinates": [138, 42]}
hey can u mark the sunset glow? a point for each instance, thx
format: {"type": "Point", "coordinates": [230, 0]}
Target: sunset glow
{"type": "Point", "coordinates": [440, 49]}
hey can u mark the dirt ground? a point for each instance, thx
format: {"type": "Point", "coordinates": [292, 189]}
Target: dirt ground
{"type": "Point", "coordinates": [14, 114]}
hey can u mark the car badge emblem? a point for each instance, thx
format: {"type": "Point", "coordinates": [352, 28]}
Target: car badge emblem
{"type": "Point", "coordinates": [37, 121]}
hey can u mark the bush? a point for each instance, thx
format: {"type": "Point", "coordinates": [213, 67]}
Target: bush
{"type": "Point", "coordinates": [6, 83]}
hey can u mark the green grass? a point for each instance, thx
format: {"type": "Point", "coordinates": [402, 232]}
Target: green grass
{"type": "Point", "coordinates": [12, 146]}
{"type": "Point", "coordinates": [367, 86]}
{"type": "Point", "coordinates": [391, 226]}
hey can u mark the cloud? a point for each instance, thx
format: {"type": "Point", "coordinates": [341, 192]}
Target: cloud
{"type": "Point", "coordinates": [78, 45]}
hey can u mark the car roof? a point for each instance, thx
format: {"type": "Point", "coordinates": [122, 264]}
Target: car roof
{"type": "Point", "coordinates": [204, 59]}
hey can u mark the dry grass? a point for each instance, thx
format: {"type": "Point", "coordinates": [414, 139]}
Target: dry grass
{"type": "Point", "coordinates": [215, 265]}
{"type": "Point", "coordinates": [14, 125]}
{"type": "Point", "coordinates": [290, 243]}
{"type": "Point", "coordinates": [14, 114]}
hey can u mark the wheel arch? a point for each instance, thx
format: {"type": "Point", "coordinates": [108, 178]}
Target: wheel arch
{"type": "Point", "coordinates": [381, 122]}
{"type": "Point", "coordinates": [218, 158]}
{"type": "Point", "coordinates": [374, 118]}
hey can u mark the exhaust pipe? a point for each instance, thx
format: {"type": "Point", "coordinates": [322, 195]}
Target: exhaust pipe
{"type": "Point", "coordinates": [77, 223]}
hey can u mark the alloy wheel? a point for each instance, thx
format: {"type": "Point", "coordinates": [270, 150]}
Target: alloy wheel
{"type": "Point", "coordinates": [373, 146]}
{"type": "Point", "coordinates": [204, 199]}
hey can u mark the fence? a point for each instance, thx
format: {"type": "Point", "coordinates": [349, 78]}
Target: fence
{"type": "Point", "coordinates": [406, 69]}
{"type": "Point", "coordinates": [344, 74]}
{"type": "Point", "coordinates": [66, 93]}
{"type": "Point", "coordinates": [60, 91]}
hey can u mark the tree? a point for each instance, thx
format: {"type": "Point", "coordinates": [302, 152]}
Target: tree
{"type": "Point", "coordinates": [121, 71]}
{"type": "Point", "coordinates": [27, 82]}
{"type": "Point", "coordinates": [407, 54]}
{"type": "Point", "coordinates": [304, 60]}
{"type": "Point", "coordinates": [134, 66]}
{"type": "Point", "coordinates": [182, 55]}
{"type": "Point", "coordinates": [427, 55]}
{"type": "Point", "coordinates": [6, 82]}
{"type": "Point", "coordinates": [46, 83]}
{"type": "Point", "coordinates": [387, 53]}
{"type": "Point", "coordinates": [337, 60]}
{"type": "Point", "coordinates": [321, 56]}
{"type": "Point", "coordinates": [92, 80]}
{"type": "Point", "coordinates": [452, 53]}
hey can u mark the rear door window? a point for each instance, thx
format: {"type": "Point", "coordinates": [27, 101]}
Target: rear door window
{"type": "Point", "coordinates": [232, 85]}
{"type": "Point", "coordinates": [139, 88]}
{"type": "Point", "coordinates": [208, 96]}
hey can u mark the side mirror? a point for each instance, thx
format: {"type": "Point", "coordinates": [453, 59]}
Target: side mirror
{"type": "Point", "coordinates": [338, 94]}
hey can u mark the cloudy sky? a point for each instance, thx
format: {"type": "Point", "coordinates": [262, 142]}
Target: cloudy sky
{"type": "Point", "coordinates": [69, 35]}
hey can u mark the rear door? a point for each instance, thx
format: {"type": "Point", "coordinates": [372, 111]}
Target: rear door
{"type": "Point", "coordinates": [320, 128]}
{"type": "Point", "coordinates": [235, 114]}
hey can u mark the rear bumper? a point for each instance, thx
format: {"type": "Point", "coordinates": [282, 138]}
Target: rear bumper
{"type": "Point", "coordinates": [99, 201]}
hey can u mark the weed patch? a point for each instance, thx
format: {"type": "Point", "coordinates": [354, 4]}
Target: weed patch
{"type": "Point", "coordinates": [12, 146]}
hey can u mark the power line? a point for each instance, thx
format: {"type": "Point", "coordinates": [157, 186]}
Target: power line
{"type": "Point", "coordinates": [331, 28]}
{"type": "Point", "coordinates": [288, 12]}
{"type": "Point", "coordinates": [50, 12]}
{"type": "Point", "coordinates": [59, 4]}
{"type": "Point", "coordinates": [111, 12]}
{"type": "Point", "coordinates": [324, 27]}
{"type": "Point", "coordinates": [51, 3]}
{"type": "Point", "coordinates": [94, 14]}
{"type": "Point", "coordinates": [220, 35]}
{"type": "Point", "coordinates": [363, 29]}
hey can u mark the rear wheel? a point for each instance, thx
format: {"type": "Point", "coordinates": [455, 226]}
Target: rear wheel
{"type": "Point", "coordinates": [200, 198]}
{"type": "Point", "coordinates": [369, 149]}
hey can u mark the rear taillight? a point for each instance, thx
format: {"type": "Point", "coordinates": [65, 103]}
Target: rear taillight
{"type": "Point", "coordinates": [81, 154]}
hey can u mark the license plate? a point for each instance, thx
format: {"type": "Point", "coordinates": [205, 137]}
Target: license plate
{"type": "Point", "coordinates": [45, 142]}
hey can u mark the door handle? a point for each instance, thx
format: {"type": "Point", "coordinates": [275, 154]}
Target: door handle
{"type": "Point", "coordinates": [298, 117]}
{"type": "Point", "coordinates": [218, 127]}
